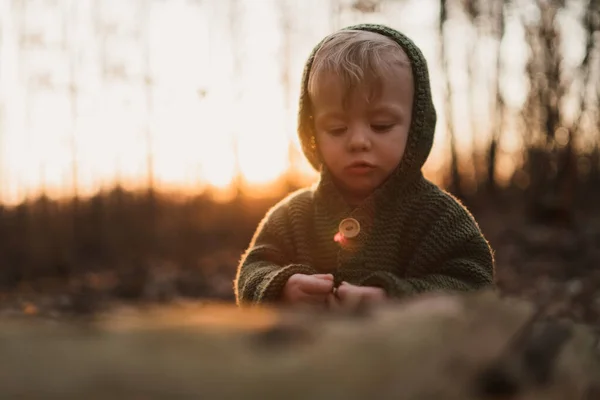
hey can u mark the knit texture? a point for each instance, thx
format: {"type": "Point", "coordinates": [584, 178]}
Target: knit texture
{"type": "Point", "coordinates": [414, 237]}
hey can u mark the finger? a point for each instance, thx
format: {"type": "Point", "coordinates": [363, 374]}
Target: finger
{"type": "Point", "coordinates": [328, 277]}
{"type": "Point", "coordinates": [308, 300]}
{"type": "Point", "coordinates": [322, 297]}
{"type": "Point", "coordinates": [354, 301]}
{"type": "Point", "coordinates": [375, 295]}
{"type": "Point", "coordinates": [316, 286]}
{"type": "Point", "coordinates": [315, 301]}
{"type": "Point", "coordinates": [297, 295]}
{"type": "Point", "coordinates": [333, 303]}
{"type": "Point", "coordinates": [345, 290]}
{"type": "Point", "coordinates": [349, 297]}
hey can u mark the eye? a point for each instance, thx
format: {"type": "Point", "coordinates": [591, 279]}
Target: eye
{"type": "Point", "coordinates": [382, 128]}
{"type": "Point", "coordinates": [336, 131]}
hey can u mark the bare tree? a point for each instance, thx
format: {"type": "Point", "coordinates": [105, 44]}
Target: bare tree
{"type": "Point", "coordinates": [497, 15]}
{"type": "Point", "coordinates": [550, 137]}
{"type": "Point", "coordinates": [591, 24]}
{"type": "Point", "coordinates": [455, 178]}
{"type": "Point", "coordinates": [235, 19]}
{"type": "Point", "coordinates": [285, 17]}
{"type": "Point", "coordinates": [472, 8]}
{"type": "Point", "coordinates": [73, 90]}
{"type": "Point", "coordinates": [24, 41]}
{"type": "Point", "coordinates": [144, 31]}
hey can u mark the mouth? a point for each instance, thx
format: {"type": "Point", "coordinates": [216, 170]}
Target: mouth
{"type": "Point", "coordinates": [360, 167]}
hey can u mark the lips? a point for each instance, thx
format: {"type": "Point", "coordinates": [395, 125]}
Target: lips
{"type": "Point", "coordinates": [360, 167]}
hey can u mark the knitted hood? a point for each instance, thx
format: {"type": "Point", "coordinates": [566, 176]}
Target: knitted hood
{"type": "Point", "coordinates": [421, 133]}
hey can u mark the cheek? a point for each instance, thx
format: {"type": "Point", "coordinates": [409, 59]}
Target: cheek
{"type": "Point", "coordinates": [329, 148]}
{"type": "Point", "coordinates": [394, 146]}
{"type": "Point", "coordinates": [401, 145]}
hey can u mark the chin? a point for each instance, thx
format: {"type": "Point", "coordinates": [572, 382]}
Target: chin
{"type": "Point", "coordinates": [361, 191]}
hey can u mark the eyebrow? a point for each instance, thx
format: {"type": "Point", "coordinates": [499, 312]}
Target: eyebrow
{"type": "Point", "coordinates": [328, 116]}
{"type": "Point", "coordinates": [387, 108]}
{"type": "Point", "coordinates": [379, 109]}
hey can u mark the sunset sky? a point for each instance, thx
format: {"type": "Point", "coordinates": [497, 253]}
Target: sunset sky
{"type": "Point", "coordinates": [73, 73]}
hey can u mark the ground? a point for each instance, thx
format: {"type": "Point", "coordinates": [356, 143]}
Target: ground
{"type": "Point", "coordinates": [472, 347]}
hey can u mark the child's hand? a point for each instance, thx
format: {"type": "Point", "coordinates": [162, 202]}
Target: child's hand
{"type": "Point", "coordinates": [308, 289]}
{"type": "Point", "coordinates": [350, 296]}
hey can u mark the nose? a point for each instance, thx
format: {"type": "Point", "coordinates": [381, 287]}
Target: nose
{"type": "Point", "coordinates": [358, 139]}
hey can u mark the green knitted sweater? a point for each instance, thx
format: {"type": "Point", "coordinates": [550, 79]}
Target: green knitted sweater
{"type": "Point", "coordinates": [414, 237]}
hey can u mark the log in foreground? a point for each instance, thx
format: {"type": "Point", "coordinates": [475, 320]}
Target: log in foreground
{"type": "Point", "coordinates": [475, 346]}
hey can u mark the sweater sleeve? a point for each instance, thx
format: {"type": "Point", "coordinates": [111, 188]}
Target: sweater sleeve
{"type": "Point", "coordinates": [453, 256]}
{"type": "Point", "coordinates": [266, 265]}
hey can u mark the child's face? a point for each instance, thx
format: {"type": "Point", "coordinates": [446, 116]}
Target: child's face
{"type": "Point", "coordinates": [361, 142]}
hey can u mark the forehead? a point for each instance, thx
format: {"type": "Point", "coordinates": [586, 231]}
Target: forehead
{"type": "Point", "coordinates": [362, 62]}
{"type": "Point", "coordinates": [331, 92]}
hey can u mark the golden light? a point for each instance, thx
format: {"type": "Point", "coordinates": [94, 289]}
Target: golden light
{"type": "Point", "coordinates": [198, 88]}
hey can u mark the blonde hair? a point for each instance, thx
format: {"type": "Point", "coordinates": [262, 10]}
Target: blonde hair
{"type": "Point", "coordinates": [361, 59]}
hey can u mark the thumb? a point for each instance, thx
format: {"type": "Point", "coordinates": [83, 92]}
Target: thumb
{"type": "Point", "coordinates": [328, 277]}
{"type": "Point", "coordinates": [316, 286]}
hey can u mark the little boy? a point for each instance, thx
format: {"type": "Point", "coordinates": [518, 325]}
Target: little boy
{"type": "Point", "coordinates": [372, 228]}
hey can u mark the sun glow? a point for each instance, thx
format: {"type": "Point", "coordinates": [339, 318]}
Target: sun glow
{"type": "Point", "coordinates": [138, 88]}
{"type": "Point", "coordinates": [190, 94]}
